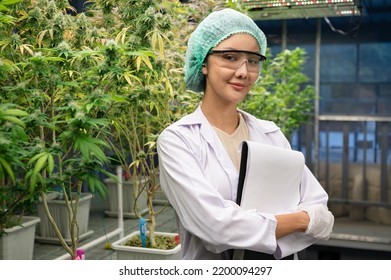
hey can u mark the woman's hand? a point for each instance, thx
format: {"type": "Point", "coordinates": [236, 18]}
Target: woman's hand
{"type": "Point", "coordinates": [315, 220]}
{"type": "Point", "coordinates": [321, 221]}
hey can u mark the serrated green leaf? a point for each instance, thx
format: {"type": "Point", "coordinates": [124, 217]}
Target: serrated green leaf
{"type": "Point", "coordinates": [15, 112]}
{"type": "Point", "coordinates": [96, 185]}
{"type": "Point", "coordinates": [50, 164]}
{"type": "Point", "coordinates": [14, 120]}
{"type": "Point", "coordinates": [34, 158]}
{"type": "Point", "coordinates": [40, 164]}
{"type": "Point", "coordinates": [91, 184]}
{"type": "Point", "coordinates": [8, 169]}
{"type": "Point", "coordinates": [9, 2]}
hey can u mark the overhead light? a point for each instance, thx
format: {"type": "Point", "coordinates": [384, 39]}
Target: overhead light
{"type": "Point", "coordinates": [294, 9]}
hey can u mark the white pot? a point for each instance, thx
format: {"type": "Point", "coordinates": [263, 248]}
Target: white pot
{"type": "Point", "coordinates": [59, 211]}
{"type": "Point", "coordinates": [139, 253]}
{"type": "Point", "coordinates": [18, 243]}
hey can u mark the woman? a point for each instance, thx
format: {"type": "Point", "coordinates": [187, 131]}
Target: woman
{"type": "Point", "coordinates": [199, 155]}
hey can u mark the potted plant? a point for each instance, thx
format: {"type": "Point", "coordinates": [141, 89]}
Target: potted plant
{"type": "Point", "coordinates": [16, 229]}
{"type": "Point", "coordinates": [17, 225]}
{"type": "Point", "coordinates": [57, 81]}
{"type": "Point", "coordinates": [150, 106]}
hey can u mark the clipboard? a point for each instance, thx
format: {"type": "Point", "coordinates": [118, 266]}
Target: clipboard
{"type": "Point", "coordinates": [269, 181]}
{"type": "Point", "coordinates": [269, 178]}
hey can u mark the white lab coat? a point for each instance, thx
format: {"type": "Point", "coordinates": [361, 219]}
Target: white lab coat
{"type": "Point", "coordinates": [200, 181]}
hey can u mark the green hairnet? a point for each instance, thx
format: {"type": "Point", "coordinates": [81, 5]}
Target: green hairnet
{"type": "Point", "coordinates": [216, 27]}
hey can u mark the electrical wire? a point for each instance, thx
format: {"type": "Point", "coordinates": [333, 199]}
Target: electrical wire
{"type": "Point", "coordinates": [353, 30]}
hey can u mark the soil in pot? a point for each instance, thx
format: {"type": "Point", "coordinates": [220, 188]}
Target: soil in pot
{"type": "Point", "coordinates": [162, 242]}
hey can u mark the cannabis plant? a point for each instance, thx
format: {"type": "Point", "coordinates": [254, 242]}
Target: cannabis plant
{"type": "Point", "coordinates": [52, 80]}
{"type": "Point", "coordinates": [142, 66]}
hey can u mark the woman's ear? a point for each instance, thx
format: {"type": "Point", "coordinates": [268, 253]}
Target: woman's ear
{"type": "Point", "coordinates": [204, 69]}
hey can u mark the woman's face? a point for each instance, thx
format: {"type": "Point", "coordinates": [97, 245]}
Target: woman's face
{"type": "Point", "coordinates": [224, 83]}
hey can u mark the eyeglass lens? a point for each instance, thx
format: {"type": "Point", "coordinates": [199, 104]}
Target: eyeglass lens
{"type": "Point", "coordinates": [234, 60]}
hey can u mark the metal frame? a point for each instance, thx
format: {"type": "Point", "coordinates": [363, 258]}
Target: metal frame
{"type": "Point", "coordinates": [288, 9]}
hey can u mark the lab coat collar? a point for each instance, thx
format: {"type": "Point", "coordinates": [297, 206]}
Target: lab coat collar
{"type": "Point", "coordinates": [258, 132]}
{"type": "Point", "coordinates": [258, 129]}
{"type": "Point", "coordinates": [198, 118]}
{"type": "Point", "coordinates": [260, 126]}
{"type": "Point", "coordinates": [257, 126]}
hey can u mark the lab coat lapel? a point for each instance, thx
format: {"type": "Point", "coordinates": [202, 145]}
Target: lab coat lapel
{"type": "Point", "coordinates": [260, 130]}
{"type": "Point", "coordinates": [210, 136]}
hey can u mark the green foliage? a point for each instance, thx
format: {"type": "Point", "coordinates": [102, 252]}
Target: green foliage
{"type": "Point", "coordinates": [143, 64]}
{"type": "Point", "coordinates": [93, 85]}
{"type": "Point", "coordinates": [53, 76]}
{"type": "Point", "coordinates": [283, 93]}
{"type": "Point", "coordinates": [15, 196]}
{"type": "Point", "coordinates": [4, 7]}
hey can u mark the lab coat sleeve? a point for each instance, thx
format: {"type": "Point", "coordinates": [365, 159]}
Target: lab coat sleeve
{"type": "Point", "coordinates": [200, 207]}
{"type": "Point", "coordinates": [311, 193]}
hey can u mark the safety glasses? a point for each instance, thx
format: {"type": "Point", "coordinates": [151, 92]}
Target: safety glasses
{"type": "Point", "coordinates": [234, 59]}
